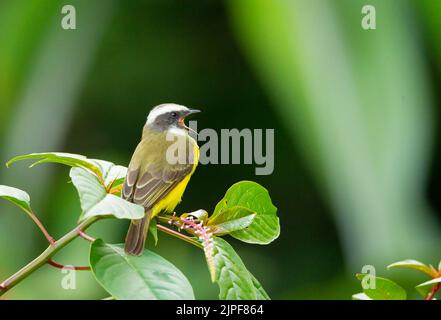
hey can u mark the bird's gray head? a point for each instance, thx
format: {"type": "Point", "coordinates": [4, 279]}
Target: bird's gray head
{"type": "Point", "coordinates": [168, 116]}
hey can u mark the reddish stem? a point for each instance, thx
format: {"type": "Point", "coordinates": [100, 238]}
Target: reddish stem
{"type": "Point", "coordinates": [49, 238]}
{"type": "Point", "coordinates": [62, 266]}
{"type": "Point", "coordinates": [432, 293]}
{"type": "Point", "coordinates": [85, 236]}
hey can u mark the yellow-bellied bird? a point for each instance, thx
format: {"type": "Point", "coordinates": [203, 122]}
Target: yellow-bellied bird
{"type": "Point", "coordinates": [153, 180]}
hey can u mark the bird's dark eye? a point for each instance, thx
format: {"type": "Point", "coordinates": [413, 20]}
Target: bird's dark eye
{"type": "Point", "coordinates": [174, 114]}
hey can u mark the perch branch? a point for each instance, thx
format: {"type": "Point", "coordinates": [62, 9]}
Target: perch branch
{"type": "Point", "coordinates": [179, 235]}
{"type": "Point", "coordinates": [43, 258]}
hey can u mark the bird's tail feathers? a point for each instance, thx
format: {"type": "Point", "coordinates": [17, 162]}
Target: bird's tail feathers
{"type": "Point", "coordinates": [137, 235]}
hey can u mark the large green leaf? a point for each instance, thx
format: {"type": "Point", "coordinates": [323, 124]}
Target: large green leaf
{"type": "Point", "coordinates": [112, 205]}
{"type": "Point", "coordinates": [260, 291]}
{"type": "Point", "coordinates": [96, 202]}
{"type": "Point", "coordinates": [90, 190]}
{"type": "Point", "coordinates": [250, 195]}
{"type": "Point", "coordinates": [384, 289]}
{"type": "Point", "coordinates": [17, 197]}
{"type": "Point", "coordinates": [145, 277]}
{"type": "Point", "coordinates": [232, 219]}
{"type": "Point", "coordinates": [69, 159]}
{"type": "Point", "coordinates": [234, 280]}
{"type": "Point", "coordinates": [108, 173]}
{"type": "Point", "coordinates": [263, 230]}
{"type": "Point", "coordinates": [414, 264]}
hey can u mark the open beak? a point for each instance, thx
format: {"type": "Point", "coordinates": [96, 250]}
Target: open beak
{"type": "Point", "coordinates": [181, 121]}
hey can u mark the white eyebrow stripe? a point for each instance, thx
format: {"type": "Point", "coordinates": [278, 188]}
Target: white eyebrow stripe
{"type": "Point", "coordinates": [164, 108]}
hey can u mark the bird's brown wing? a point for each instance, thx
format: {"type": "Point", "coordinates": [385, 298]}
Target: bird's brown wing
{"type": "Point", "coordinates": [149, 181]}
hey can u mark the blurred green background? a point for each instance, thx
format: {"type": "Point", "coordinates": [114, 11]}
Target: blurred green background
{"type": "Point", "coordinates": [357, 150]}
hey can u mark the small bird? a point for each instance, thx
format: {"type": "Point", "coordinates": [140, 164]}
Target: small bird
{"type": "Point", "coordinates": [152, 180]}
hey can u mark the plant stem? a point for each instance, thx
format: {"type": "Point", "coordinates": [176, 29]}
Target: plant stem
{"type": "Point", "coordinates": [432, 293]}
{"type": "Point", "coordinates": [56, 246]}
{"type": "Point", "coordinates": [45, 256]}
{"type": "Point", "coordinates": [55, 264]}
{"type": "Point", "coordinates": [85, 236]}
{"type": "Point", "coordinates": [166, 218]}
{"type": "Point", "coordinates": [179, 235]}
{"type": "Point", "coordinates": [34, 218]}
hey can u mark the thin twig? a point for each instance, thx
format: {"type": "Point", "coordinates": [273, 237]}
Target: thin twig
{"type": "Point", "coordinates": [85, 236]}
{"type": "Point", "coordinates": [43, 258]}
{"type": "Point", "coordinates": [34, 218]}
{"type": "Point", "coordinates": [67, 267]}
{"type": "Point", "coordinates": [168, 219]}
{"type": "Point", "coordinates": [432, 292]}
{"type": "Point", "coordinates": [179, 235]}
{"type": "Point", "coordinates": [46, 256]}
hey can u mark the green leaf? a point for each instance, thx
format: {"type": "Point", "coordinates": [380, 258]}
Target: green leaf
{"type": "Point", "coordinates": [200, 214]}
{"type": "Point", "coordinates": [113, 175]}
{"type": "Point", "coordinates": [263, 230]}
{"type": "Point", "coordinates": [137, 278]}
{"type": "Point", "coordinates": [234, 280]}
{"type": "Point", "coordinates": [250, 195]}
{"type": "Point", "coordinates": [260, 291]}
{"type": "Point", "coordinates": [383, 289]}
{"type": "Point", "coordinates": [96, 202]}
{"type": "Point", "coordinates": [69, 159]}
{"type": "Point", "coordinates": [360, 296]}
{"type": "Point", "coordinates": [108, 173]}
{"type": "Point", "coordinates": [229, 220]}
{"type": "Point", "coordinates": [115, 206]}
{"type": "Point", "coordinates": [90, 190]}
{"type": "Point", "coordinates": [425, 287]}
{"type": "Point", "coordinates": [17, 197]}
{"type": "Point", "coordinates": [414, 264]}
